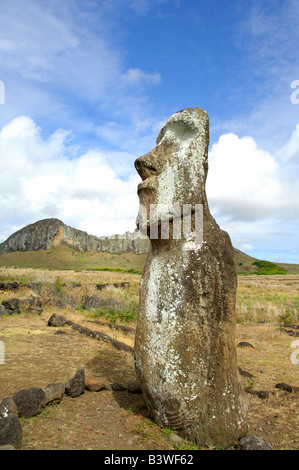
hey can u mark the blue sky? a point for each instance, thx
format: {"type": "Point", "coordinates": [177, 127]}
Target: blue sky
{"type": "Point", "coordinates": [88, 85]}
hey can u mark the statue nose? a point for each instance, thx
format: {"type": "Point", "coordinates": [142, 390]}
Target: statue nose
{"type": "Point", "coordinates": [145, 167]}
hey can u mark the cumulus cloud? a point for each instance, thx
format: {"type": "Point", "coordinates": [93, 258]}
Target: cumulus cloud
{"type": "Point", "coordinates": [40, 178]}
{"type": "Point", "coordinates": [247, 183]}
{"type": "Point", "coordinates": [253, 194]}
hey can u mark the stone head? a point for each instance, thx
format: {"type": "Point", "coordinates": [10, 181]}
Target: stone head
{"type": "Point", "coordinates": [175, 171]}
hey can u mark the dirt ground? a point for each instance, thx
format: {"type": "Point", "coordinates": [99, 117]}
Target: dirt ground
{"type": "Point", "coordinates": [36, 356]}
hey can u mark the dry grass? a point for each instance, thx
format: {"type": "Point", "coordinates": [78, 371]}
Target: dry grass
{"type": "Point", "coordinates": [262, 304]}
{"type": "Point", "coordinates": [27, 275]}
{"type": "Point", "coordinates": [273, 299]}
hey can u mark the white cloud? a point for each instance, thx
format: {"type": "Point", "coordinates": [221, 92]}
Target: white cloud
{"type": "Point", "coordinates": [291, 149]}
{"type": "Point", "coordinates": [136, 77]}
{"type": "Point", "coordinates": [245, 182]}
{"type": "Point", "coordinates": [247, 247]}
{"type": "Point", "coordinates": [39, 179]}
{"type": "Point", "coordinates": [253, 195]}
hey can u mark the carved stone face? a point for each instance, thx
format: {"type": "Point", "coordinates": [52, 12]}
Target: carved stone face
{"type": "Point", "coordinates": [175, 171]}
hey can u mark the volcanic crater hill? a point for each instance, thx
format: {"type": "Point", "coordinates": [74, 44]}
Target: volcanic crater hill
{"type": "Point", "coordinates": [50, 233]}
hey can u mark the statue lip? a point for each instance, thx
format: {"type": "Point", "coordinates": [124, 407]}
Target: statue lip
{"type": "Point", "coordinates": [143, 185]}
{"type": "Point", "coordinates": [148, 178]}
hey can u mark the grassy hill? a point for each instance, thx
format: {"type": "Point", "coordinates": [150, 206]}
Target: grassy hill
{"type": "Point", "coordinates": [64, 257]}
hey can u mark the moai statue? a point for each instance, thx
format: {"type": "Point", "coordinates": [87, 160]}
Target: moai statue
{"type": "Point", "coordinates": [185, 355]}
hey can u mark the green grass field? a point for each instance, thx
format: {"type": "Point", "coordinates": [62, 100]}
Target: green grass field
{"type": "Point", "coordinates": [65, 258]}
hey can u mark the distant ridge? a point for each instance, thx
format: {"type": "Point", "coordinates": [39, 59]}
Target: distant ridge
{"type": "Point", "coordinates": [50, 233]}
{"type": "Point", "coordinates": [29, 246]}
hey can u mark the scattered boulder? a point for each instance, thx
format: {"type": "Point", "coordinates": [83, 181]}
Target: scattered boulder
{"type": "Point", "coordinates": [76, 386]}
{"type": "Point", "coordinates": [95, 385]}
{"type": "Point", "coordinates": [295, 327]}
{"type": "Point", "coordinates": [9, 286]}
{"type": "Point", "coordinates": [121, 285]}
{"type": "Point", "coordinates": [175, 438]}
{"type": "Point", "coordinates": [7, 447]}
{"type": "Point", "coordinates": [287, 388]}
{"type": "Point", "coordinates": [126, 329]}
{"type": "Point", "coordinates": [252, 442]}
{"type": "Point", "coordinates": [29, 401]}
{"type": "Point", "coordinates": [57, 320]}
{"type": "Point", "coordinates": [244, 373]}
{"type": "Point", "coordinates": [34, 286]}
{"type": "Point", "coordinates": [259, 393]}
{"type": "Point", "coordinates": [117, 387]}
{"type": "Point", "coordinates": [291, 332]}
{"type": "Point", "coordinates": [8, 406]}
{"type": "Point", "coordinates": [12, 306]}
{"type": "Point", "coordinates": [33, 301]}
{"type": "Point", "coordinates": [10, 431]}
{"type": "Point", "coordinates": [244, 344]}
{"type": "Point", "coordinates": [36, 310]}
{"type": "Point", "coordinates": [10, 426]}
{"type": "Point", "coordinates": [134, 387]}
{"type": "Point", "coordinates": [3, 310]}
{"type": "Point", "coordinates": [92, 301]}
{"type": "Point", "coordinates": [54, 392]}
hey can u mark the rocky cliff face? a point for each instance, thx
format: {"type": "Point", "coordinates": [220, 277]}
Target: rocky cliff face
{"type": "Point", "coordinates": [49, 233]}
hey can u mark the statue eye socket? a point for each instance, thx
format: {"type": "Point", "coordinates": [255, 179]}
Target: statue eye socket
{"type": "Point", "coordinates": [177, 131]}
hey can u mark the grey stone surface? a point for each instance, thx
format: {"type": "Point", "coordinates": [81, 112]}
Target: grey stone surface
{"type": "Point", "coordinates": [134, 387]}
{"type": "Point", "coordinates": [54, 392]}
{"type": "Point", "coordinates": [252, 442]}
{"type": "Point", "coordinates": [76, 386]}
{"type": "Point", "coordinates": [8, 406]}
{"type": "Point", "coordinates": [3, 310]}
{"type": "Point", "coordinates": [48, 233]}
{"type": "Point", "coordinates": [57, 320]}
{"type": "Point", "coordinates": [185, 352]}
{"type": "Point", "coordinates": [10, 426]}
{"type": "Point", "coordinates": [30, 401]}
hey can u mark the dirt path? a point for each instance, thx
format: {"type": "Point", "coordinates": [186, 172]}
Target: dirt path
{"type": "Point", "coordinates": [36, 355]}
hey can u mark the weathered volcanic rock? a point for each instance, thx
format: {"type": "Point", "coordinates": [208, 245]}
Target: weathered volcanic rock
{"type": "Point", "coordinates": [76, 386]}
{"type": "Point", "coordinates": [30, 401]}
{"type": "Point", "coordinates": [252, 442]}
{"type": "Point", "coordinates": [10, 427]}
{"type": "Point", "coordinates": [48, 233]}
{"type": "Point", "coordinates": [185, 352]}
{"type": "Point", "coordinates": [54, 392]}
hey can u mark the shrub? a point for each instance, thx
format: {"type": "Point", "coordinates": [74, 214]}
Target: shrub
{"type": "Point", "coordinates": [58, 284]}
{"type": "Point", "coordinates": [112, 311]}
{"type": "Point", "coordinates": [267, 267]}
